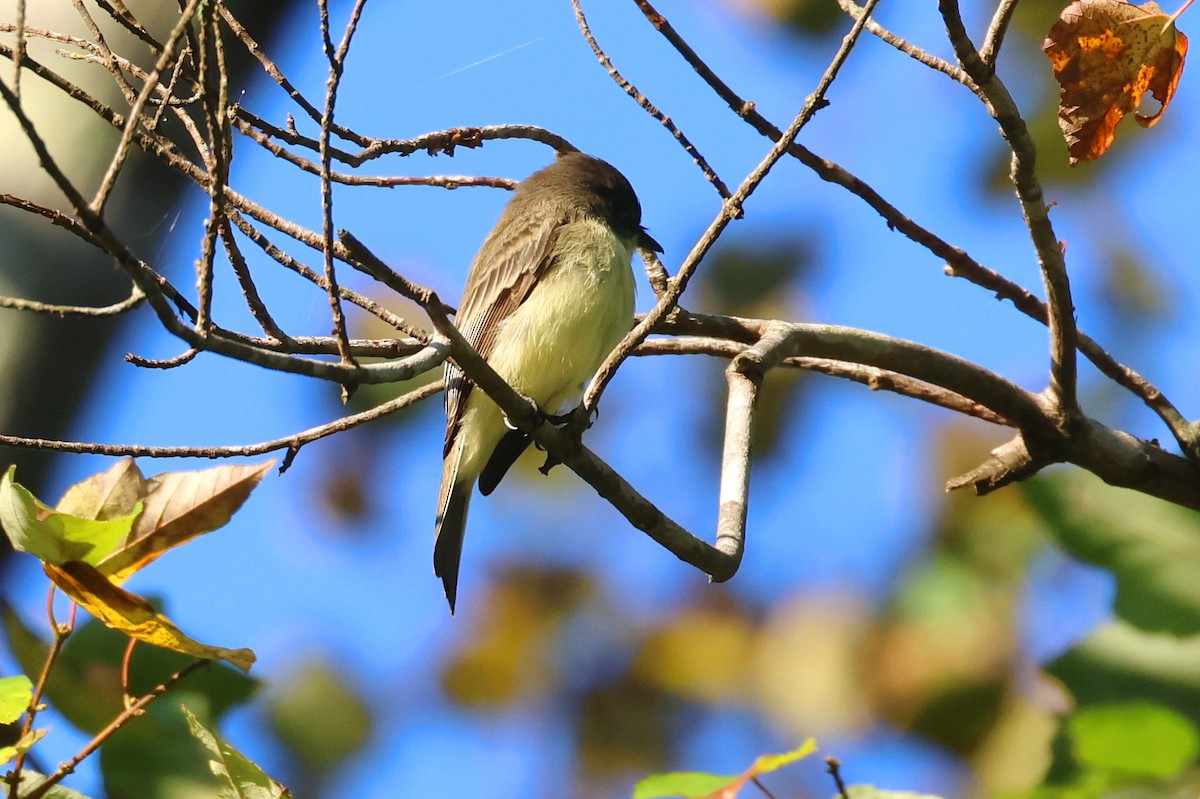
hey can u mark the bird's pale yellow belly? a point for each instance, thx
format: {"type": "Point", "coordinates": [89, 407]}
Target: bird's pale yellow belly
{"type": "Point", "coordinates": [553, 343]}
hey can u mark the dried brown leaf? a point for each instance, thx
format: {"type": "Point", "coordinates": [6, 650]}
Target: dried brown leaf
{"type": "Point", "coordinates": [1106, 55]}
{"type": "Point", "coordinates": [178, 507]}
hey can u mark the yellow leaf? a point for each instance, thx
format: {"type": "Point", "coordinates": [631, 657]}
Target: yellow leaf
{"type": "Point", "coordinates": [132, 614]}
{"type": "Point", "coordinates": [766, 763]}
{"type": "Point", "coordinates": [23, 744]}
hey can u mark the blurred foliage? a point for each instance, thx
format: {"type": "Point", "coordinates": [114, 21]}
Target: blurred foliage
{"type": "Point", "coordinates": [509, 654]}
{"type": "Point", "coordinates": [85, 687]}
{"type": "Point", "coordinates": [807, 17]}
{"type": "Point", "coordinates": [941, 658]}
{"type": "Point", "coordinates": [762, 280]}
{"type": "Point", "coordinates": [1132, 289]}
{"type": "Point", "coordinates": [177, 768]}
{"type": "Point", "coordinates": [316, 712]}
{"type": "Point", "coordinates": [1128, 750]}
{"type": "Point", "coordinates": [1152, 547]}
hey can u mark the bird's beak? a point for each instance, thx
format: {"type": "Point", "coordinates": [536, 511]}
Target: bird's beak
{"type": "Point", "coordinates": [646, 242]}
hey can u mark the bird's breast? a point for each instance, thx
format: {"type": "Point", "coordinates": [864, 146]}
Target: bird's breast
{"type": "Point", "coordinates": [582, 306]}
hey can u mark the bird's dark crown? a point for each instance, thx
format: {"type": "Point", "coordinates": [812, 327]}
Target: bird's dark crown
{"type": "Point", "coordinates": [591, 186]}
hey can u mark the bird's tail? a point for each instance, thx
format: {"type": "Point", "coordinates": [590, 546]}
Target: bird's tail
{"type": "Point", "coordinates": [454, 500]}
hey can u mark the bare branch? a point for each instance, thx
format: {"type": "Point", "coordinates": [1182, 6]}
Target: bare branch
{"type": "Point", "coordinates": [276, 74]}
{"type": "Point", "coordinates": [293, 442]}
{"type": "Point", "coordinates": [1061, 316]}
{"type": "Point", "coordinates": [135, 112]}
{"type": "Point", "coordinates": [132, 710]}
{"type": "Point", "coordinates": [134, 300]}
{"type": "Point", "coordinates": [872, 377]}
{"type": "Point", "coordinates": [731, 209]}
{"type": "Point", "coordinates": [18, 50]}
{"type": "Point", "coordinates": [996, 30]}
{"type": "Point", "coordinates": [908, 48]}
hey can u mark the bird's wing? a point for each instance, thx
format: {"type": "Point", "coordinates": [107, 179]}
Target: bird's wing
{"type": "Point", "coordinates": [501, 278]}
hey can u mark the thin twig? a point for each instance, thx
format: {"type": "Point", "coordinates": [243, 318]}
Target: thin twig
{"type": "Point", "coordinates": [834, 767]}
{"type": "Point", "coordinates": [656, 273]}
{"type": "Point", "coordinates": [367, 304]}
{"type": "Point", "coordinates": [272, 69]}
{"type": "Point", "coordinates": [996, 30]}
{"type": "Point", "coordinates": [126, 663]}
{"type": "Point", "coordinates": [762, 787]}
{"type": "Point", "coordinates": [730, 210]}
{"type": "Point", "coordinates": [432, 143]}
{"type": "Point", "coordinates": [18, 51]}
{"type": "Point", "coordinates": [294, 441]}
{"type": "Point", "coordinates": [132, 710]}
{"type": "Point", "coordinates": [186, 357]}
{"type": "Point", "coordinates": [1061, 311]}
{"type": "Point", "coordinates": [60, 632]}
{"type": "Point", "coordinates": [873, 377]}
{"type": "Point", "coordinates": [216, 164]}
{"type": "Point", "coordinates": [641, 99]}
{"type": "Point", "coordinates": [135, 112]}
{"type": "Point", "coordinates": [106, 53]}
{"type": "Point", "coordinates": [336, 66]}
{"type": "Point", "coordinates": [127, 20]}
{"type": "Point", "coordinates": [908, 48]}
{"type": "Point", "coordinates": [263, 137]}
{"type": "Point", "coordinates": [135, 299]}
{"type": "Point", "coordinates": [258, 309]}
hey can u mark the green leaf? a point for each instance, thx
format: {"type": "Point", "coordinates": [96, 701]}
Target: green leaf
{"type": "Point", "coordinates": [240, 778]}
{"type": "Point", "coordinates": [316, 690]}
{"type": "Point", "coordinates": [15, 695]}
{"type": "Point", "coordinates": [1151, 546]}
{"type": "Point", "coordinates": [695, 784]}
{"type": "Point", "coordinates": [871, 792]}
{"type": "Point", "coordinates": [53, 536]}
{"type": "Point", "coordinates": [689, 784]}
{"type": "Point", "coordinates": [1133, 738]}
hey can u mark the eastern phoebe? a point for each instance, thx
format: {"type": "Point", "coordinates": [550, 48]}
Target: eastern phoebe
{"type": "Point", "coordinates": [548, 296]}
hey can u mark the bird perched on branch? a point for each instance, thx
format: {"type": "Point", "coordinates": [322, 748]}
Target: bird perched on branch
{"type": "Point", "coordinates": [548, 296]}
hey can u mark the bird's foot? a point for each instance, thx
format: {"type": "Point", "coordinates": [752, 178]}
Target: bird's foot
{"type": "Point", "coordinates": [538, 416]}
{"type": "Point", "coordinates": [574, 423]}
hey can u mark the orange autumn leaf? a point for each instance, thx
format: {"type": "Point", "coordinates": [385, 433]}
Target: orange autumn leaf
{"type": "Point", "coordinates": [1106, 55]}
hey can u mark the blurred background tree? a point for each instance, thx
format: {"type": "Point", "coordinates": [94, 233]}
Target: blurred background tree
{"type": "Point", "coordinates": [1039, 641]}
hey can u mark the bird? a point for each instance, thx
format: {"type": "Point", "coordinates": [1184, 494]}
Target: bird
{"type": "Point", "coordinates": [548, 296]}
